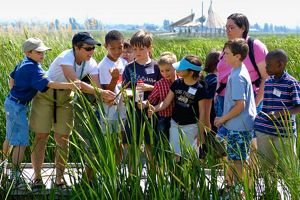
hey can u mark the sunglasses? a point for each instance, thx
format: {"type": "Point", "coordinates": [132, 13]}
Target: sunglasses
{"type": "Point", "coordinates": [89, 48]}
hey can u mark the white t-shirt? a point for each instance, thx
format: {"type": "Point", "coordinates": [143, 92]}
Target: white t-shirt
{"type": "Point", "coordinates": [105, 65]}
{"type": "Point", "coordinates": [55, 72]}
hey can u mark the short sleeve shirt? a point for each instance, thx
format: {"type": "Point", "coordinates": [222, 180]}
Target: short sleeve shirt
{"type": "Point", "coordinates": [260, 52]}
{"type": "Point", "coordinates": [239, 88]}
{"type": "Point", "coordinates": [55, 72]}
{"type": "Point", "coordinates": [280, 94]}
{"type": "Point", "coordinates": [105, 65]}
{"type": "Point", "coordinates": [148, 73]}
{"type": "Point", "coordinates": [186, 98]}
{"type": "Point", "coordinates": [29, 78]}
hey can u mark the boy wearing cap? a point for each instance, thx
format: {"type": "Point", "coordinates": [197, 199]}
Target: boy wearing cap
{"type": "Point", "coordinates": [188, 116]}
{"type": "Point", "coordinates": [239, 110]}
{"type": "Point", "coordinates": [25, 81]}
{"type": "Point", "coordinates": [55, 107]}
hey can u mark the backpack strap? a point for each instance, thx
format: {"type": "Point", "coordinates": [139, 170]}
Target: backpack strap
{"type": "Point", "coordinates": [250, 43]}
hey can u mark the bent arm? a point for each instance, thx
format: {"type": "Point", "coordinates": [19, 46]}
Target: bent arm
{"type": "Point", "coordinates": [260, 94]}
{"type": "Point", "coordinates": [235, 111]}
{"type": "Point", "coordinates": [164, 104]}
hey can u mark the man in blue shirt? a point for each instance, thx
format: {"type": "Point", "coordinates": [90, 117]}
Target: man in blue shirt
{"type": "Point", "coordinates": [25, 81]}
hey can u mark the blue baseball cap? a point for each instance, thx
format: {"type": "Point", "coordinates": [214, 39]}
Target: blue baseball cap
{"type": "Point", "coordinates": [184, 65]}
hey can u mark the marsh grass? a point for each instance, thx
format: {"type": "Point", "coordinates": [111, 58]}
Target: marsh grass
{"type": "Point", "coordinates": [191, 178]}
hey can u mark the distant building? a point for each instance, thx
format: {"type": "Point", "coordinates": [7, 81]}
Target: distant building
{"type": "Point", "coordinates": [214, 25]}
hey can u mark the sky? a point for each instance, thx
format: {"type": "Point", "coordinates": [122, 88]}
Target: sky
{"type": "Point", "coordinates": [149, 11]}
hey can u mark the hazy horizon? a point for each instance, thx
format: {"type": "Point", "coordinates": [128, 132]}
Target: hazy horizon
{"type": "Point", "coordinates": [154, 11]}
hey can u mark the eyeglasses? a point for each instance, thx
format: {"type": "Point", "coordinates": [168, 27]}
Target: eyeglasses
{"type": "Point", "coordinates": [89, 48]}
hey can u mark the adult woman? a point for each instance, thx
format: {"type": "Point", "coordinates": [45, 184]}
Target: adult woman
{"type": "Point", "coordinates": [54, 108]}
{"type": "Point", "coordinates": [237, 26]}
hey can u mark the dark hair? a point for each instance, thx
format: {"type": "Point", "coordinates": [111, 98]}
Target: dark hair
{"type": "Point", "coordinates": [141, 38]}
{"type": "Point", "coordinates": [241, 21]}
{"type": "Point", "coordinates": [127, 44]}
{"type": "Point", "coordinates": [211, 61]}
{"type": "Point", "coordinates": [113, 35]}
{"type": "Point", "coordinates": [195, 60]}
{"type": "Point", "coordinates": [279, 55]}
{"type": "Point", "coordinates": [238, 46]}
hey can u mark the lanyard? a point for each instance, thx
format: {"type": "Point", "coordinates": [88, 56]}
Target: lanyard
{"type": "Point", "coordinates": [82, 69]}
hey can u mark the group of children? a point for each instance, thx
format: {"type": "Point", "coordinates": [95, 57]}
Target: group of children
{"type": "Point", "coordinates": [177, 91]}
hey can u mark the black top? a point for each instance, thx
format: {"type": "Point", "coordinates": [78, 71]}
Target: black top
{"type": "Point", "coordinates": [186, 110]}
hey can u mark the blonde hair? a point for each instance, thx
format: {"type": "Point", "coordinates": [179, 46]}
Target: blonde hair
{"type": "Point", "coordinates": [141, 38]}
{"type": "Point", "coordinates": [167, 58]}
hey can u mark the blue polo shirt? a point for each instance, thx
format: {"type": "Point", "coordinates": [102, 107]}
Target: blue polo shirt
{"type": "Point", "coordinates": [282, 93]}
{"type": "Point", "coordinates": [29, 78]}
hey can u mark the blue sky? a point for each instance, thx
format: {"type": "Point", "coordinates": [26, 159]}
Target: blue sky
{"type": "Point", "coordinates": [152, 11]}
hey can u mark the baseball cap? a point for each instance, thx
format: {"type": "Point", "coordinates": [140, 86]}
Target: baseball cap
{"type": "Point", "coordinates": [85, 37]}
{"type": "Point", "coordinates": [184, 64]}
{"type": "Point", "coordinates": [34, 44]}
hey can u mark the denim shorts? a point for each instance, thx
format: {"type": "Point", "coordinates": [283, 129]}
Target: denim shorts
{"type": "Point", "coordinates": [17, 129]}
{"type": "Point", "coordinates": [238, 144]}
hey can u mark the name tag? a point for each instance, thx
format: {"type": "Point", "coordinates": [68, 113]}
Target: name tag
{"type": "Point", "coordinates": [277, 92]}
{"type": "Point", "coordinates": [149, 70]}
{"type": "Point", "coordinates": [192, 91]}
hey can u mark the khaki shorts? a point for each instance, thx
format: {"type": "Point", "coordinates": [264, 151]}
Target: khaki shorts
{"type": "Point", "coordinates": [42, 112]}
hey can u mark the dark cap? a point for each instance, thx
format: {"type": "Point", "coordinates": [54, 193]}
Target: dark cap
{"type": "Point", "coordinates": [85, 37]}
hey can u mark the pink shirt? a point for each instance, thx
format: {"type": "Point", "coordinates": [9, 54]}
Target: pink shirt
{"type": "Point", "coordinates": [260, 52]}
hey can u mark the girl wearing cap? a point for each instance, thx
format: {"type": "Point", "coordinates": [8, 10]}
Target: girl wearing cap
{"type": "Point", "coordinates": [55, 106]}
{"type": "Point", "coordinates": [188, 93]}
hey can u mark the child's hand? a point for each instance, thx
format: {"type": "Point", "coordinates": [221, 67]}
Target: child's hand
{"type": "Point", "coordinates": [114, 72]}
{"type": "Point", "coordinates": [151, 110]}
{"type": "Point", "coordinates": [219, 121]}
{"type": "Point", "coordinates": [107, 96]}
{"type": "Point", "coordinates": [144, 87]}
{"type": "Point", "coordinates": [142, 104]}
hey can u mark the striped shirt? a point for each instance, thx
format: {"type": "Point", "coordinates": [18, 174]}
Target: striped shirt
{"type": "Point", "coordinates": [280, 94]}
{"type": "Point", "coordinates": [159, 93]}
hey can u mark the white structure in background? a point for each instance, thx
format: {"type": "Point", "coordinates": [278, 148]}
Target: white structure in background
{"type": "Point", "coordinates": [214, 25]}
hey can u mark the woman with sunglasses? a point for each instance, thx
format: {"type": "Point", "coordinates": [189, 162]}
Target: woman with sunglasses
{"type": "Point", "coordinates": [55, 108]}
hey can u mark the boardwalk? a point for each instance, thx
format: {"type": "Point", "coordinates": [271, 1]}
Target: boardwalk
{"type": "Point", "coordinates": [73, 176]}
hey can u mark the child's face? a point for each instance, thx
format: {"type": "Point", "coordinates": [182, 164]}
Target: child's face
{"type": "Point", "coordinates": [184, 73]}
{"type": "Point", "coordinates": [37, 56]}
{"type": "Point", "coordinates": [141, 53]}
{"type": "Point", "coordinates": [229, 58]}
{"type": "Point", "coordinates": [114, 49]}
{"type": "Point", "coordinates": [128, 54]}
{"type": "Point", "coordinates": [167, 71]}
{"type": "Point", "coordinates": [274, 67]}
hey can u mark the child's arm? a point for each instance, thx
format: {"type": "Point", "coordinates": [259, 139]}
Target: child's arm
{"type": "Point", "coordinates": [202, 121]}
{"type": "Point", "coordinates": [145, 87]}
{"type": "Point", "coordinates": [208, 103]}
{"type": "Point", "coordinates": [235, 111]}
{"type": "Point", "coordinates": [282, 113]}
{"type": "Point", "coordinates": [162, 105]}
{"type": "Point", "coordinates": [11, 82]}
{"type": "Point", "coordinates": [114, 72]}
